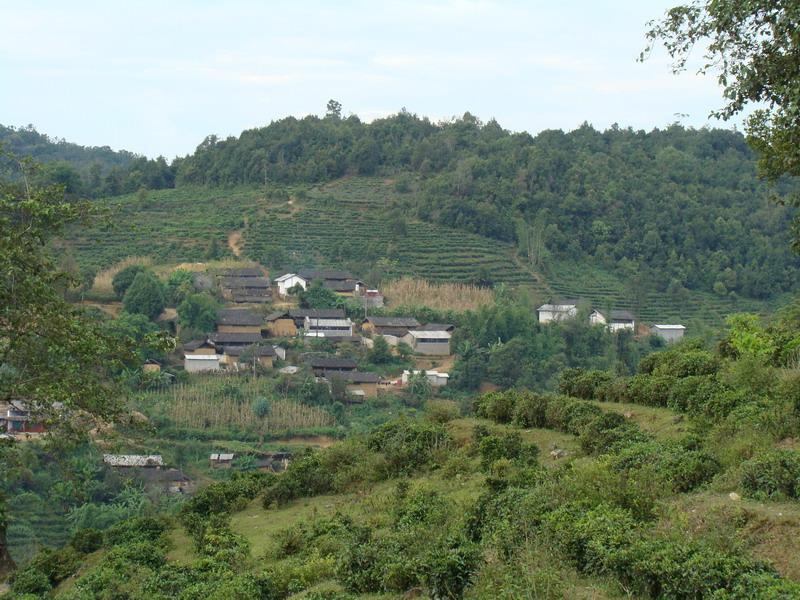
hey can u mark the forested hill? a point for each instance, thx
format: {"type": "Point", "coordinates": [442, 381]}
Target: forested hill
{"type": "Point", "coordinates": [681, 207]}
{"type": "Point", "coordinates": [85, 170]}
{"type": "Point", "coordinates": [668, 210]}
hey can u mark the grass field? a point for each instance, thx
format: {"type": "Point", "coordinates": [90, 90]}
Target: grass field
{"type": "Point", "coordinates": [347, 223]}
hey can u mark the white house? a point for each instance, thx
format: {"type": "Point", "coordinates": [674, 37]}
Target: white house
{"type": "Point", "coordinates": [318, 327]}
{"type": "Point", "coordinates": [288, 281]}
{"type": "Point", "coordinates": [670, 333]}
{"type": "Point", "coordinates": [435, 378]}
{"type": "Point", "coordinates": [558, 311]}
{"type": "Point", "coordinates": [197, 363]}
{"type": "Point", "coordinates": [617, 320]}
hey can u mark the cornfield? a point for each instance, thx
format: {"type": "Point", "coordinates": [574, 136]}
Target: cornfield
{"type": "Point", "coordinates": [441, 296]}
{"type": "Point", "coordinates": [223, 403]}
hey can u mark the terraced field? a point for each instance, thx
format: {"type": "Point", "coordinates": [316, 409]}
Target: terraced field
{"type": "Point", "coordinates": [169, 225]}
{"type": "Point", "coordinates": [347, 223]}
{"type": "Point", "coordinates": [606, 291]}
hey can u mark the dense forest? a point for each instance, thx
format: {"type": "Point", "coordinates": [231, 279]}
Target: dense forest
{"type": "Point", "coordinates": [679, 208]}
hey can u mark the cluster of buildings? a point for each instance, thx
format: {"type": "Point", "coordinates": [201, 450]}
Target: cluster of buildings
{"type": "Point", "coordinates": [615, 320]}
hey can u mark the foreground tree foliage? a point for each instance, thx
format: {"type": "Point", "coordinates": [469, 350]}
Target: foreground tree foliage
{"type": "Point", "coordinates": [53, 356]}
{"type": "Point", "coordinates": [754, 48]}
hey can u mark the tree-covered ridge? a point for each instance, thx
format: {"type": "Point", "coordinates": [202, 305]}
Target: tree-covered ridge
{"type": "Point", "coordinates": [666, 210]}
{"type": "Point", "coordinates": [92, 171]}
{"type": "Point", "coordinates": [675, 207]}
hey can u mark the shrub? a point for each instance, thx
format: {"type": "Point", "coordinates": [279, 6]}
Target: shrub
{"type": "Point", "coordinates": [441, 411]}
{"type": "Point", "coordinates": [583, 384]}
{"type": "Point", "coordinates": [507, 445]}
{"type": "Point", "coordinates": [682, 468]}
{"type": "Point", "coordinates": [87, 540]}
{"type": "Point", "coordinates": [773, 474]}
{"type": "Point", "coordinates": [607, 432]}
{"type": "Point", "coordinates": [30, 581]}
{"type": "Point", "coordinates": [124, 278]}
{"type": "Point", "coordinates": [497, 406]}
{"type": "Point", "coordinates": [531, 410]}
{"type": "Point", "coordinates": [145, 296]}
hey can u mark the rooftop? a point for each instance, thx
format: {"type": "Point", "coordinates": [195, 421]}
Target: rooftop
{"type": "Point", "coordinates": [392, 321]}
{"type": "Point", "coordinates": [256, 349]}
{"type": "Point", "coordinates": [245, 282]}
{"type": "Point", "coordinates": [133, 460]}
{"type": "Point", "coordinates": [437, 335]}
{"type": "Point", "coordinates": [221, 337]}
{"type": "Point", "coordinates": [331, 362]}
{"type": "Point", "coordinates": [238, 316]}
{"type": "Point", "coordinates": [328, 274]}
{"type": "Point", "coordinates": [352, 376]}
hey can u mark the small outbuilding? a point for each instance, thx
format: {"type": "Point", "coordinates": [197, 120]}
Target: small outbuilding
{"type": "Point", "coordinates": [435, 343]}
{"type": "Point", "coordinates": [670, 333]}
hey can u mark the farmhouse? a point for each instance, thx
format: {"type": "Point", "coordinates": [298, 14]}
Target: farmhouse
{"type": "Point", "coordinates": [245, 289]}
{"type": "Point", "coordinates": [670, 333]}
{"type": "Point", "coordinates": [557, 311]}
{"type": "Point", "coordinates": [321, 364]}
{"type": "Point", "coordinates": [15, 418]}
{"type": "Point", "coordinates": [221, 338]}
{"type": "Point", "coordinates": [288, 281]}
{"type": "Point", "coordinates": [372, 299]}
{"type": "Point", "coordinates": [359, 385]}
{"type": "Point", "coordinates": [199, 356]}
{"type": "Point", "coordinates": [199, 363]}
{"type": "Point", "coordinates": [242, 357]}
{"type": "Point", "coordinates": [435, 343]}
{"type": "Point", "coordinates": [394, 326]}
{"type": "Point", "coordinates": [615, 321]}
{"type": "Point", "coordinates": [238, 320]}
{"type": "Point", "coordinates": [287, 323]}
{"type": "Point", "coordinates": [349, 287]}
{"type": "Point", "coordinates": [325, 275]}
{"type": "Point", "coordinates": [174, 481]}
{"type": "Point", "coordinates": [220, 461]}
{"type": "Point", "coordinates": [281, 324]}
{"type": "Point", "coordinates": [273, 462]}
{"type": "Point", "coordinates": [320, 327]}
{"type": "Point", "coordinates": [435, 378]}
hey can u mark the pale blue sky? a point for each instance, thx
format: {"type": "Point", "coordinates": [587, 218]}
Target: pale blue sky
{"type": "Point", "coordinates": [157, 77]}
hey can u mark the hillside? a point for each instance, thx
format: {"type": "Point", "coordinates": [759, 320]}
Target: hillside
{"type": "Point", "coordinates": [687, 489]}
{"type": "Point", "coordinates": [354, 223]}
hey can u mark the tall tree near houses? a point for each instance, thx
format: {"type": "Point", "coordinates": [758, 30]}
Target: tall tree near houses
{"type": "Point", "coordinates": [753, 46]}
{"type": "Point", "coordinates": [52, 355]}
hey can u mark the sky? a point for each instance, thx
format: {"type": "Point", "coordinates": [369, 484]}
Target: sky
{"type": "Point", "coordinates": [156, 78]}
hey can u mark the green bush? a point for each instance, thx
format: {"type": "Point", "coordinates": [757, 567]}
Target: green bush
{"type": "Point", "coordinates": [124, 278]}
{"type": "Point", "coordinates": [583, 384]}
{"type": "Point", "coordinates": [87, 540]}
{"type": "Point", "coordinates": [30, 581]}
{"type": "Point", "coordinates": [497, 406]}
{"type": "Point", "coordinates": [773, 474]}
{"type": "Point", "coordinates": [145, 296]}
{"type": "Point", "coordinates": [531, 410]}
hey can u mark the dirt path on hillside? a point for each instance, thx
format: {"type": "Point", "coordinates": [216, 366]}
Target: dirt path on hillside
{"type": "Point", "coordinates": [235, 242]}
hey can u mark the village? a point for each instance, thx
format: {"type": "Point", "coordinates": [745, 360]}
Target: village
{"type": "Point", "coordinates": [261, 330]}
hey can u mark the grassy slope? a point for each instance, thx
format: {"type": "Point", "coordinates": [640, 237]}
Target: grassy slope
{"type": "Point", "coordinates": [332, 223]}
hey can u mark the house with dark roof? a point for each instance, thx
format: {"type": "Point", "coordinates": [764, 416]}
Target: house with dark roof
{"type": "Point", "coordinates": [449, 327]}
{"type": "Point", "coordinates": [615, 320]}
{"type": "Point", "coordinates": [321, 364]}
{"type": "Point", "coordinates": [396, 326]}
{"type": "Point", "coordinates": [358, 385]}
{"type": "Point", "coordinates": [242, 357]}
{"type": "Point", "coordinates": [328, 328]}
{"type": "Point", "coordinates": [223, 338]}
{"type": "Point", "coordinates": [243, 272]}
{"type": "Point", "coordinates": [239, 320]}
{"type": "Point", "coordinates": [325, 274]}
{"type": "Point", "coordinates": [429, 342]}
{"type": "Point", "coordinates": [245, 289]}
